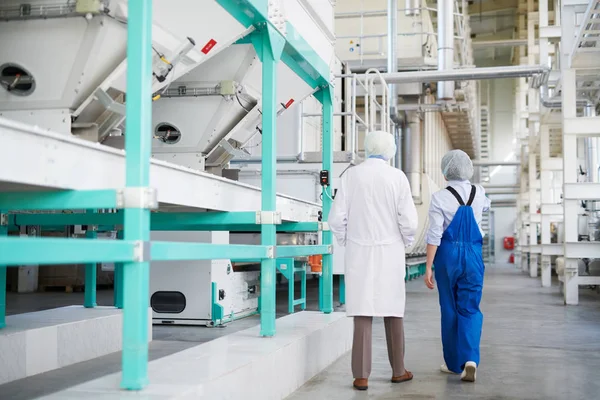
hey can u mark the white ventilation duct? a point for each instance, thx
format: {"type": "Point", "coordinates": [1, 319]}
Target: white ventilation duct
{"type": "Point", "coordinates": [445, 27]}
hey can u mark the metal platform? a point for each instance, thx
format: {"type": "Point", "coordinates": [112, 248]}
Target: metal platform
{"type": "Point", "coordinates": [34, 159]}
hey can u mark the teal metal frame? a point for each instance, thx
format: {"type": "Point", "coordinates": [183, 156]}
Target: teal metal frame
{"type": "Point", "coordinates": [288, 267]}
{"type": "Point", "coordinates": [132, 251]}
{"type": "Point", "coordinates": [3, 233]}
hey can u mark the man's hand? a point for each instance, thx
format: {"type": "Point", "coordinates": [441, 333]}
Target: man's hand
{"type": "Point", "coordinates": [429, 279]}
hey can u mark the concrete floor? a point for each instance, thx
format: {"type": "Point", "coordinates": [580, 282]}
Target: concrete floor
{"type": "Point", "coordinates": [532, 347]}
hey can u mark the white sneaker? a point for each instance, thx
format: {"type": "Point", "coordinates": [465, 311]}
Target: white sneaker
{"type": "Point", "coordinates": [444, 369]}
{"type": "Point", "coordinates": [469, 374]}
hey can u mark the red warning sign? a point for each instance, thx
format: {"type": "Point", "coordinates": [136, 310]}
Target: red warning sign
{"type": "Point", "coordinates": [289, 103]}
{"type": "Point", "coordinates": [209, 46]}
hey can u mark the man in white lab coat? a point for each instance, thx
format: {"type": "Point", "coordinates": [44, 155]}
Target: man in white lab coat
{"type": "Point", "coordinates": [375, 218]}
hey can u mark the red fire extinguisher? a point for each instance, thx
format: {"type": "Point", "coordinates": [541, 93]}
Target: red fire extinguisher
{"type": "Point", "coordinates": [511, 259]}
{"type": "Point", "coordinates": [509, 243]}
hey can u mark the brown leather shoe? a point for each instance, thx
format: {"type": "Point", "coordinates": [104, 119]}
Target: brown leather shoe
{"type": "Point", "coordinates": [404, 378]}
{"type": "Point", "coordinates": [361, 384]}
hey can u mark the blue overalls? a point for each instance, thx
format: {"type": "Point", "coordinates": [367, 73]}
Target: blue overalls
{"type": "Point", "coordinates": [459, 273]}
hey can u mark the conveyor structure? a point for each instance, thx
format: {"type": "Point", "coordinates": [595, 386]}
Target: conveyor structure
{"type": "Point", "coordinates": [81, 67]}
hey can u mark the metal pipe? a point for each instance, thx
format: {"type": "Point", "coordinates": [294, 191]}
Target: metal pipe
{"type": "Point", "coordinates": [492, 186]}
{"type": "Point", "coordinates": [549, 101]}
{"type": "Point", "coordinates": [258, 160]}
{"type": "Point", "coordinates": [591, 146]}
{"type": "Point", "coordinates": [412, 8]}
{"type": "Point", "coordinates": [412, 155]}
{"type": "Point", "coordinates": [486, 163]}
{"type": "Point", "coordinates": [499, 43]}
{"type": "Point", "coordinates": [300, 111]}
{"type": "Point", "coordinates": [466, 74]}
{"type": "Point", "coordinates": [398, 157]}
{"type": "Point", "coordinates": [392, 58]}
{"type": "Point", "coordinates": [445, 26]}
{"type": "Point", "coordinates": [354, 138]}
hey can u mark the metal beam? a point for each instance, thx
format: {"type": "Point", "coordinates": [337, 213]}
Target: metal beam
{"type": "Point", "coordinates": [489, 163]}
{"type": "Point", "coordinates": [466, 74]}
{"type": "Point", "coordinates": [499, 43]}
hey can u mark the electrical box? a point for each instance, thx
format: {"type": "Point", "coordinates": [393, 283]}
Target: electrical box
{"type": "Point", "coordinates": [88, 6]}
{"type": "Point", "coordinates": [324, 178]}
{"type": "Point", "coordinates": [227, 88]}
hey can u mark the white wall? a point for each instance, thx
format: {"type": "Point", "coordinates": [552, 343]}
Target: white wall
{"type": "Point", "coordinates": [411, 40]}
{"type": "Point", "coordinates": [502, 146]}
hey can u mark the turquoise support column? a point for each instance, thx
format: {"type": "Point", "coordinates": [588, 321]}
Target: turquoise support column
{"type": "Point", "coordinates": [118, 279]}
{"type": "Point", "coordinates": [3, 233]}
{"type": "Point", "coordinates": [89, 300]}
{"type": "Point", "coordinates": [137, 220]}
{"type": "Point", "coordinates": [268, 43]}
{"type": "Point", "coordinates": [325, 95]}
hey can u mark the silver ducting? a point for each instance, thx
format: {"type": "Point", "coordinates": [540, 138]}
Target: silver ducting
{"type": "Point", "coordinates": [412, 8]}
{"type": "Point", "coordinates": [591, 147]}
{"type": "Point", "coordinates": [445, 26]}
{"type": "Point", "coordinates": [392, 58]}
{"type": "Point", "coordinates": [411, 154]}
{"type": "Point", "coordinates": [466, 74]}
{"type": "Point", "coordinates": [548, 100]}
{"type": "Point", "coordinates": [399, 143]}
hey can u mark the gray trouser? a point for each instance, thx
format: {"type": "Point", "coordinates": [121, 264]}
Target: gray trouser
{"type": "Point", "coordinates": [361, 346]}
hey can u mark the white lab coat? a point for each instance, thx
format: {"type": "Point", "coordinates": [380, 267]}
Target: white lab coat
{"type": "Point", "coordinates": [375, 218]}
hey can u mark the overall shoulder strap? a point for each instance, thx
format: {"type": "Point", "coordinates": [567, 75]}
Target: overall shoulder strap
{"type": "Point", "coordinates": [455, 194]}
{"type": "Point", "coordinates": [472, 195]}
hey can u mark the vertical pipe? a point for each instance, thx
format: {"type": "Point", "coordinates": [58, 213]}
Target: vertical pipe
{"type": "Point", "coordinates": [327, 100]}
{"type": "Point", "coordinates": [3, 233]}
{"type": "Point", "coordinates": [412, 8]}
{"type": "Point", "coordinates": [137, 165]}
{"type": "Point", "coordinates": [89, 300]}
{"type": "Point", "coordinates": [301, 131]}
{"type": "Point", "coordinates": [414, 159]}
{"type": "Point", "coordinates": [118, 279]}
{"type": "Point", "coordinates": [354, 140]}
{"type": "Point", "coordinates": [591, 146]}
{"type": "Point", "coordinates": [270, 48]}
{"type": "Point", "coordinates": [445, 22]}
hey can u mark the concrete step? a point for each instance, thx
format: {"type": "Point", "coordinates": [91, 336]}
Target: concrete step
{"type": "Point", "coordinates": [37, 342]}
{"type": "Point", "coordinates": [241, 365]}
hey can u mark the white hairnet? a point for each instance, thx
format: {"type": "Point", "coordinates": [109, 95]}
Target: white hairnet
{"type": "Point", "coordinates": [380, 144]}
{"type": "Point", "coordinates": [457, 166]}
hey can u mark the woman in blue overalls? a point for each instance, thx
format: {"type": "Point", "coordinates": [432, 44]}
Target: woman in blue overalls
{"type": "Point", "coordinates": [454, 245]}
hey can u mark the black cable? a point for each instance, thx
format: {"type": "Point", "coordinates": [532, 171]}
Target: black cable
{"type": "Point", "coordinates": [240, 103]}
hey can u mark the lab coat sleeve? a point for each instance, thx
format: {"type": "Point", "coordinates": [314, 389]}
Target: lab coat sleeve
{"type": "Point", "coordinates": [487, 204]}
{"type": "Point", "coordinates": [338, 215]}
{"type": "Point", "coordinates": [408, 219]}
{"type": "Point", "coordinates": [436, 223]}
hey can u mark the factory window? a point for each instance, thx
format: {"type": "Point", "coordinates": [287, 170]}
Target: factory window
{"type": "Point", "coordinates": [16, 79]}
{"type": "Point", "coordinates": [167, 133]}
{"type": "Point", "coordinates": [168, 302]}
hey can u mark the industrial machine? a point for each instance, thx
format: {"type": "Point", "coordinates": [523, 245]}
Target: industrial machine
{"type": "Point", "coordinates": [63, 69]}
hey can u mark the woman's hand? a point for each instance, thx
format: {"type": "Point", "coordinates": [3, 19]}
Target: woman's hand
{"type": "Point", "coordinates": [429, 278]}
